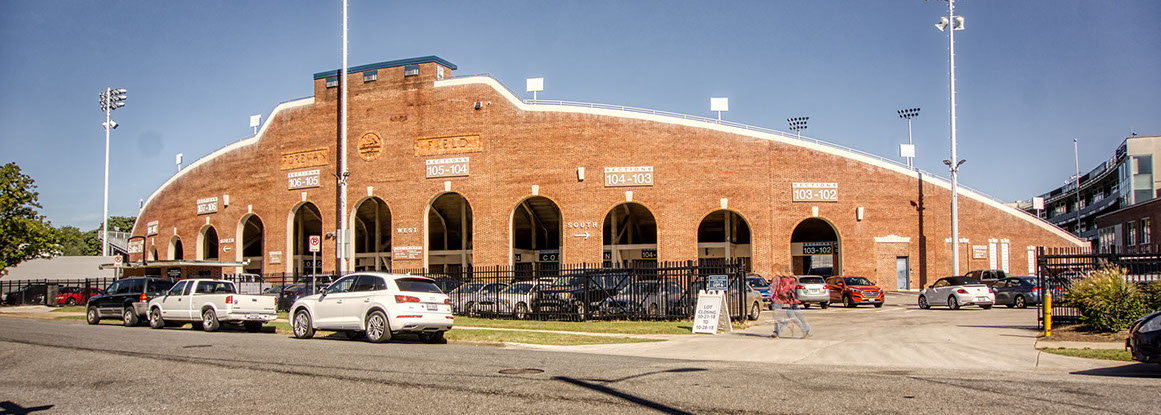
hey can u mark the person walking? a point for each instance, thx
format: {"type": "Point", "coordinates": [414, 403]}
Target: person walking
{"type": "Point", "coordinates": [784, 298]}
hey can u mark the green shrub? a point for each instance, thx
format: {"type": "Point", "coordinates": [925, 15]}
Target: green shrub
{"type": "Point", "coordinates": [1106, 301]}
{"type": "Point", "coordinates": [1153, 295]}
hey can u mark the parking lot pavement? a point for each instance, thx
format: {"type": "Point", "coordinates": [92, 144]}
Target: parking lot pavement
{"type": "Point", "coordinates": [897, 335]}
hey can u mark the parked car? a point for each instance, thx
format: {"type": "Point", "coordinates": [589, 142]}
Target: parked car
{"type": "Point", "coordinates": [465, 299]}
{"type": "Point", "coordinates": [756, 282]}
{"type": "Point", "coordinates": [212, 303]}
{"type": "Point", "coordinates": [1144, 342]}
{"type": "Point", "coordinates": [445, 283]}
{"type": "Point", "coordinates": [1019, 292]}
{"type": "Point", "coordinates": [854, 291]}
{"type": "Point", "coordinates": [376, 305]}
{"type": "Point", "coordinates": [955, 292]}
{"type": "Point", "coordinates": [812, 289]}
{"type": "Point", "coordinates": [28, 294]}
{"type": "Point", "coordinates": [579, 292]}
{"type": "Point", "coordinates": [512, 301]}
{"type": "Point", "coordinates": [651, 298]}
{"type": "Point", "coordinates": [127, 298]}
{"type": "Point", "coordinates": [310, 285]}
{"type": "Point", "coordinates": [686, 303]}
{"type": "Point", "coordinates": [75, 295]}
{"type": "Point", "coordinates": [987, 276]}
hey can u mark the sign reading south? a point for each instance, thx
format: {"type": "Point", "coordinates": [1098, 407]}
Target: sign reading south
{"type": "Point", "coordinates": [814, 192]}
{"type": "Point", "coordinates": [449, 167]}
{"type": "Point", "coordinates": [628, 176]}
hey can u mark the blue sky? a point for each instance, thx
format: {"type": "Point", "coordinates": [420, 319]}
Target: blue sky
{"type": "Point", "coordinates": [1031, 76]}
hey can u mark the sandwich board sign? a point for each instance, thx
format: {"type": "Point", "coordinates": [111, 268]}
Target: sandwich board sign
{"type": "Point", "coordinates": [712, 312]}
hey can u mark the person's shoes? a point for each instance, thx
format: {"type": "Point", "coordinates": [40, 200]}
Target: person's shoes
{"type": "Point", "coordinates": [774, 336]}
{"type": "Point", "coordinates": [806, 335]}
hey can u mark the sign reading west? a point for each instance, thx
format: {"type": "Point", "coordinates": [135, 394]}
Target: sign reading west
{"type": "Point", "coordinates": [449, 167]}
{"type": "Point", "coordinates": [151, 228]}
{"type": "Point", "coordinates": [208, 205]}
{"type": "Point", "coordinates": [628, 176]}
{"type": "Point", "coordinates": [302, 179]}
{"type": "Point", "coordinates": [815, 192]}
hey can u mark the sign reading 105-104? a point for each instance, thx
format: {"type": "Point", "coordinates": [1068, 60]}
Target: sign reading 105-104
{"type": "Point", "coordinates": [449, 167]}
{"type": "Point", "coordinates": [628, 176]}
{"type": "Point", "coordinates": [814, 192]}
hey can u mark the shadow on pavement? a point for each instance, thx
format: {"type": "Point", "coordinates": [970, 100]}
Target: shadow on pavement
{"type": "Point", "coordinates": [660, 407]}
{"type": "Point", "coordinates": [8, 407]}
{"type": "Point", "coordinates": [1135, 370]}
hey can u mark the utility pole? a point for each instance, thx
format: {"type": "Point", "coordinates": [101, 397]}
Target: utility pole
{"type": "Point", "coordinates": [110, 100]}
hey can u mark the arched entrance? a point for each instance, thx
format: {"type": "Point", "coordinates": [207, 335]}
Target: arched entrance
{"type": "Point", "coordinates": [207, 244]}
{"type": "Point", "coordinates": [250, 245]}
{"type": "Point", "coordinates": [153, 253]}
{"type": "Point", "coordinates": [175, 251]}
{"type": "Point", "coordinates": [723, 235]}
{"type": "Point", "coordinates": [629, 236]}
{"type": "Point", "coordinates": [449, 234]}
{"type": "Point", "coordinates": [815, 248]}
{"type": "Point", "coordinates": [305, 221]}
{"type": "Point", "coordinates": [536, 234]}
{"type": "Point", "coordinates": [372, 226]}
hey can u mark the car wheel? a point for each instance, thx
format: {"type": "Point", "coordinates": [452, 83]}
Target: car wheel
{"type": "Point", "coordinates": [1021, 302]}
{"type": "Point", "coordinates": [253, 326]}
{"type": "Point", "coordinates": [433, 338]}
{"type": "Point", "coordinates": [755, 311]}
{"type": "Point", "coordinates": [302, 325]}
{"type": "Point", "coordinates": [521, 311]}
{"type": "Point", "coordinates": [377, 329]}
{"type": "Point", "coordinates": [470, 309]}
{"type": "Point", "coordinates": [71, 301]}
{"type": "Point", "coordinates": [653, 310]}
{"type": "Point", "coordinates": [879, 305]}
{"type": "Point", "coordinates": [823, 305]}
{"type": "Point", "coordinates": [91, 316]}
{"type": "Point", "coordinates": [155, 320]}
{"type": "Point", "coordinates": [580, 308]}
{"type": "Point", "coordinates": [952, 303]}
{"type": "Point", "coordinates": [923, 303]}
{"type": "Point", "coordinates": [210, 321]}
{"type": "Point", "coordinates": [806, 306]}
{"type": "Point", "coordinates": [848, 302]}
{"type": "Point", "coordinates": [986, 306]}
{"type": "Point", "coordinates": [354, 334]}
{"type": "Point", "coordinates": [129, 317]}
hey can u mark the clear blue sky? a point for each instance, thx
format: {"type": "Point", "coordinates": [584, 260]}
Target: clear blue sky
{"type": "Point", "coordinates": [1031, 76]}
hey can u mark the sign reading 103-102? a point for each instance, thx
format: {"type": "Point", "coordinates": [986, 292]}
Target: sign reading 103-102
{"type": "Point", "coordinates": [814, 192]}
{"type": "Point", "coordinates": [449, 167]}
{"type": "Point", "coordinates": [628, 176]}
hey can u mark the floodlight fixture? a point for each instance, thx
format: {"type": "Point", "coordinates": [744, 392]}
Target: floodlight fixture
{"type": "Point", "coordinates": [909, 151]}
{"type": "Point", "coordinates": [797, 124]}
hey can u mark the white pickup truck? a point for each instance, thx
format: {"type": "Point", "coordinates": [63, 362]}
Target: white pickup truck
{"type": "Point", "coordinates": [210, 303]}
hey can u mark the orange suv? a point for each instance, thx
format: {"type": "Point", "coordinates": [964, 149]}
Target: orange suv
{"type": "Point", "coordinates": [852, 291]}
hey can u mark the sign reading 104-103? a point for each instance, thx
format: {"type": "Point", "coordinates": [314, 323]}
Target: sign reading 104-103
{"type": "Point", "coordinates": [814, 192]}
{"type": "Point", "coordinates": [628, 176]}
{"type": "Point", "coordinates": [449, 167]}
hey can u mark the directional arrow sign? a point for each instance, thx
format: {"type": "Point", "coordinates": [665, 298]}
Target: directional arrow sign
{"type": "Point", "coordinates": [586, 235]}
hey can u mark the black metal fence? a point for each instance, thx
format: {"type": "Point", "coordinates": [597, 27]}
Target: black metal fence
{"type": "Point", "coordinates": [642, 291]}
{"type": "Point", "coordinates": [1059, 268]}
{"type": "Point", "coordinates": [52, 292]}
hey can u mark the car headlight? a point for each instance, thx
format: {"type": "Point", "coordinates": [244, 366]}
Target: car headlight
{"type": "Point", "coordinates": [1154, 324]}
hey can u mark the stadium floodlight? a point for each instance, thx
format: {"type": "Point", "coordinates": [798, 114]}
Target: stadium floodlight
{"type": "Point", "coordinates": [908, 150]}
{"type": "Point", "coordinates": [797, 124]}
{"type": "Point", "coordinates": [110, 100]}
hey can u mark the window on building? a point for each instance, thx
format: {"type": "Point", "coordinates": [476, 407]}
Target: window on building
{"type": "Point", "coordinates": [370, 76]}
{"type": "Point", "coordinates": [1146, 223]}
{"type": "Point", "coordinates": [1132, 238]}
{"type": "Point", "coordinates": [332, 82]}
{"type": "Point", "coordinates": [410, 70]}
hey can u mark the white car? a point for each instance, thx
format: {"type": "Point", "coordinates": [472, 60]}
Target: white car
{"type": "Point", "coordinates": [512, 301]}
{"type": "Point", "coordinates": [210, 303]}
{"type": "Point", "coordinates": [376, 305]}
{"type": "Point", "coordinates": [955, 292]}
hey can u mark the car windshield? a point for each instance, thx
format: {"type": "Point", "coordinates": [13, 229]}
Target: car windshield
{"type": "Point", "coordinates": [857, 281]}
{"type": "Point", "coordinates": [757, 282]}
{"type": "Point", "coordinates": [521, 288]}
{"type": "Point", "coordinates": [467, 288]}
{"type": "Point", "coordinates": [812, 280]}
{"type": "Point", "coordinates": [418, 285]}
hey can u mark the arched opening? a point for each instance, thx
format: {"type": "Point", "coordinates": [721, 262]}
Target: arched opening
{"type": "Point", "coordinates": [306, 221]}
{"type": "Point", "coordinates": [153, 253]}
{"type": "Point", "coordinates": [208, 244]}
{"type": "Point", "coordinates": [449, 234]}
{"type": "Point", "coordinates": [629, 236]}
{"type": "Point", "coordinates": [722, 236]}
{"type": "Point", "coordinates": [536, 234]}
{"type": "Point", "coordinates": [175, 252]}
{"type": "Point", "coordinates": [815, 248]}
{"type": "Point", "coordinates": [372, 226]}
{"type": "Point", "coordinates": [250, 244]}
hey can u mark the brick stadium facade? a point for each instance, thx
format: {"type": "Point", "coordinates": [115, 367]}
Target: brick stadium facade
{"type": "Point", "coordinates": [447, 172]}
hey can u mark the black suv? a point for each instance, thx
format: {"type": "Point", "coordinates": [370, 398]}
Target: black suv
{"type": "Point", "coordinates": [579, 292]}
{"type": "Point", "coordinates": [127, 298]}
{"type": "Point", "coordinates": [29, 294]}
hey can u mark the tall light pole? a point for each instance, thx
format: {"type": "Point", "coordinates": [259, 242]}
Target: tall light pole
{"type": "Point", "coordinates": [909, 151]}
{"type": "Point", "coordinates": [797, 124]}
{"type": "Point", "coordinates": [1076, 158]}
{"type": "Point", "coordinates": [110, 100]}
{"type": "Point", "coordinates": [956, 23]}
{"type": "Point", "coordinates": [342, 239]}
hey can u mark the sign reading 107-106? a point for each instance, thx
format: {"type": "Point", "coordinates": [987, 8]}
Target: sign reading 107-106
{"type": "Point", "coordinates": [628, 176]}
{"type": "Point", "coordinates": [814, 192]}
{"type": "Point", "coordinates": [449, 167]}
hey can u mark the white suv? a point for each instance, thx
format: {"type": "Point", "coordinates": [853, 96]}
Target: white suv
{"type": "Point", "coordinates": [375, 305]}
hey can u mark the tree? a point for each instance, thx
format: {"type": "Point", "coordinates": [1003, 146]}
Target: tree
{"type": "Point", "coordinates": [75, 243]}
{"type": "Point", "coordinates": [24, 233]}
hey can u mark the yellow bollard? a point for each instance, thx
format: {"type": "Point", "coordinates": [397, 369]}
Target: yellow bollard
{"type": "Point", "coordinates": [1047, 313]}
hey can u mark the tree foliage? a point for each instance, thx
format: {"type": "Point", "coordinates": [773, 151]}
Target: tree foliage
{"type": "Point", "coordinates": [24, 233]}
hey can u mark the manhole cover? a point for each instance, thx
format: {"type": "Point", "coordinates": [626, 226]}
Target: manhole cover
{"type": "Point", "coordinates": [193, 346]}
{"type": "Point", "coordinates": [521, 371]}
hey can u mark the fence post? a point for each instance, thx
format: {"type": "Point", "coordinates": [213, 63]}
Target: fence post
{"type": "Point", "coordinates": [1048, 313]}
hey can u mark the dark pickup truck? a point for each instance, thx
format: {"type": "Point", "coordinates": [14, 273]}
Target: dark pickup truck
{"type": "Point", "coordinates": [579, 292]}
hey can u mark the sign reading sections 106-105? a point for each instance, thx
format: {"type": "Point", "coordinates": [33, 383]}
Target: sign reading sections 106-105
{"type": "Point", "coordinates": [814, 192]}
{"type": "Point", "coordinates": [449, 167]}
{"type": "Point", "coordinates": [302, 179]}
{"type": "Point", "coordinates": [628, 176]}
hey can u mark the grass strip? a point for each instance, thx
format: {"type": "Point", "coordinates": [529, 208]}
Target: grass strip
{"type": "Point", "coordinates": [1119, 355]}
{"type": "Point", "coordinates": [70, 309]}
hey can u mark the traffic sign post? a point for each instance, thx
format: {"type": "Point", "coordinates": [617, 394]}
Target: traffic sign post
{"type": "Point", "coordinates": [314, 244]}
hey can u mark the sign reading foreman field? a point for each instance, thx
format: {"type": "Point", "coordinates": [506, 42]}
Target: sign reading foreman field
{"type": "Point", "coordinates": [434, 146]}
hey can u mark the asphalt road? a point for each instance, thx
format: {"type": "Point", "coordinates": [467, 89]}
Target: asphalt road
{"type": "Point", "coordinates": [70, 367]}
